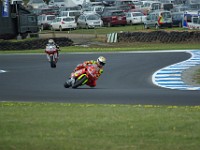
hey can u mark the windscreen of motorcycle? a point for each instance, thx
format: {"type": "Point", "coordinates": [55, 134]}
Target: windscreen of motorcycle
{"type": "Point", "coordinates": [50, 48]}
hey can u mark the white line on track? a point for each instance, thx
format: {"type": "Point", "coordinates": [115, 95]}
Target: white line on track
{"type": "Point", "coordinates": [2, 71]}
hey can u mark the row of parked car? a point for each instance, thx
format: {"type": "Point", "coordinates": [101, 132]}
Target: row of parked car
{"type": "Point", "coordinates": [89, 15]}
{"type": "Point", "coordinates": [110, 18]}
{"type": "Point", "coordinates": [97, 16]}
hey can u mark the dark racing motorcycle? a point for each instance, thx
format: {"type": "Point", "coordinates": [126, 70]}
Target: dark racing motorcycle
{"type": "Point", "coordinates": [52, 55]}
{"type": "Point", "coordinates": [82, 76]}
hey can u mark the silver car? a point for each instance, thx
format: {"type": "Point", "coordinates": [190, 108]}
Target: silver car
{"type": "Point", "coordinates": [135, 18]}
{"type": "Point", "coordinates": [34, 4]}
{"type": "Point", "coordinates": [62, 23]}
{"type": "Point", "coordinates": [89, 21]}
{"type": "Point", "coordinates": [58, 3]}
{"type": "Point", "coordinates": [158, 19]}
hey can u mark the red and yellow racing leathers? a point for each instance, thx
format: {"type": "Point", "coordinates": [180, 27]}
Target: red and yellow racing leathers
{"type": "Point", "coordinates": [91, 83]}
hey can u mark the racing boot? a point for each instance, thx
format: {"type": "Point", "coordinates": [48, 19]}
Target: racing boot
{"type": "Point", "coordinates": [72, 80]}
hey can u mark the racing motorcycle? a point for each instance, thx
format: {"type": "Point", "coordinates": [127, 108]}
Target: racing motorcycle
{"type": "Point", "coordinates": [82, 76]}
{"type": "Point", "coordinates": [52, 55]}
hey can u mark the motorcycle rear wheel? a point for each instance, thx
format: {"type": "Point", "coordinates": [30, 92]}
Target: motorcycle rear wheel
{"type": "Point", "coordinates": [79, 82]}
{"type": "Point", "coordinates": [52, 62]}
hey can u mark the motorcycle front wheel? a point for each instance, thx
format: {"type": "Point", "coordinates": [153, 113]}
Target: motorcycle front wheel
{"type": "Point", "coordinates": [66, 85]}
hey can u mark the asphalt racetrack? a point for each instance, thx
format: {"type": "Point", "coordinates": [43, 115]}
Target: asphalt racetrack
{"type": "Point", "coordinates": [127, 79]}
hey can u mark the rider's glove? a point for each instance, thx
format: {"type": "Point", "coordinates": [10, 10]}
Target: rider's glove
{"type": "Point", "coordinates": [101, 71]}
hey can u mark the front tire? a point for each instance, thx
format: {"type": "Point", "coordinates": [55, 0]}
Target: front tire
{"type": "Point", "coordinates": [156, 26]}
{"type": "Point", "coordinates": [66, 85]}
{"type": "Point", "coordinates": [42, 27]}
{"type": "Point", "coordinates": [86, 26]}
{"type": "Point", "coordinates": [60, 28]}
{"type": "Point", "coordinates": [52, 29]}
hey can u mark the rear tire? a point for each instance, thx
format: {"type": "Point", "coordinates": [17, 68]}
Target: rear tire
{"type": "Point", "coordinates": [86, 26]}
{"type": "Point", "coordinates": [156, 26]}
{"type": "Point", "coordinates": [60, 28]}
{"type": "Point", "coordinates": [145, 26]}
{"type": "Point", "coordinates": [79, 82]}
{"type": "Point", "coordinates": [24, 35]}
{"type": "Point", "coordinates": [109, 24]}
{"type": "Point", "coordinates": [52, 62]}
{"type": "Point", "coordinates": [180, 24]}
{"type": "Point", "coordinates": [131, 23]}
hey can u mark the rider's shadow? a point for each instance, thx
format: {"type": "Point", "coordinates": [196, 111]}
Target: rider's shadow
{"type": "Point", "coordinates": [87, 88]}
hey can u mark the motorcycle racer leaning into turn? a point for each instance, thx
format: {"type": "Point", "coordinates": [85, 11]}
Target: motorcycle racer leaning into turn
{"type": "Point", "coordinates": [100, 62]}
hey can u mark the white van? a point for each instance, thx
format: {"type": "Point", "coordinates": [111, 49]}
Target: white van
{"type": "Point", "coordinates": [158, 19]}
{"type": "Point", "coordinates": [150, 5]}
{"type": "Point", "coordinates": [191, 20]}
{"type": "Point", "coordinates": [69, 13]}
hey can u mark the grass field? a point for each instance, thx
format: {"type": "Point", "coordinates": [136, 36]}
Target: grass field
{"type": "Point", "coordinates": [62, 126]}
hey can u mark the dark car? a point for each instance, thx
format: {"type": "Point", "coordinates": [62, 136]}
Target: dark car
{"type": "Point", "coordinates": [105, 9]}
{"type": "Point", "coordinates": [114, 17]}
{"type": "Point", "coordinates": [125, 8]}
{"type": "Point", "coordinates": [74, 8]}
{"type": "Point", "coordinates": [177, 19]}
{"type": "Point", "coordinates": [45, 11]}
{"type": "Point", "coordinates": [180, 8]}
{"type": "Point", "coordinates": [108, 2]}
{"type": "Point", "coordinates": [124, 2]}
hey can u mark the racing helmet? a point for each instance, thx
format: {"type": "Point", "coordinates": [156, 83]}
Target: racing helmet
{"type": "Point", "coordinates": [51, 41]}
{"type": "Point", "coordinates": [101, 61]}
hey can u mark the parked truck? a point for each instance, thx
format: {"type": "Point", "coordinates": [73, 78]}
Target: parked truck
{"type": "Point", "coordinates": [16, 20]}
{"type": "Point", "coordinates": [191, 20]}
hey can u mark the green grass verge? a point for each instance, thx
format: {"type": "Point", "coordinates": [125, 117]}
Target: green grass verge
{"type": "Point", "coordinates": [62, 126]}
{"type": "Point", "coordinates": [107, 30]}
{"type": "Point", "coordinates": [112, 47]}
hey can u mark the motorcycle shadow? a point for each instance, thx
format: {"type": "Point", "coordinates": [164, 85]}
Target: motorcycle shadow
{"type": "Point", "coordinates": [86, 88]}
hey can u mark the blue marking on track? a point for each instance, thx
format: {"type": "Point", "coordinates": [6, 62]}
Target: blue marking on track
{"type": "Point", "coordinates": [171, 76]}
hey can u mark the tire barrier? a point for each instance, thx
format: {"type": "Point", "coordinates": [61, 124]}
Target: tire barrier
{"type": "Point", "coordinates": [160, 36]}
{"type": "Point", "coordinates": [33, 44]}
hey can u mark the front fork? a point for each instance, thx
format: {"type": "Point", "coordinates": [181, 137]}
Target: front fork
{"type": "Point", "coordinates": [55, 58]}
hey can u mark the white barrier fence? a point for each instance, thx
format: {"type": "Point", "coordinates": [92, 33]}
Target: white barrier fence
{"type": "Point", "coordinates": [112, 37]}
